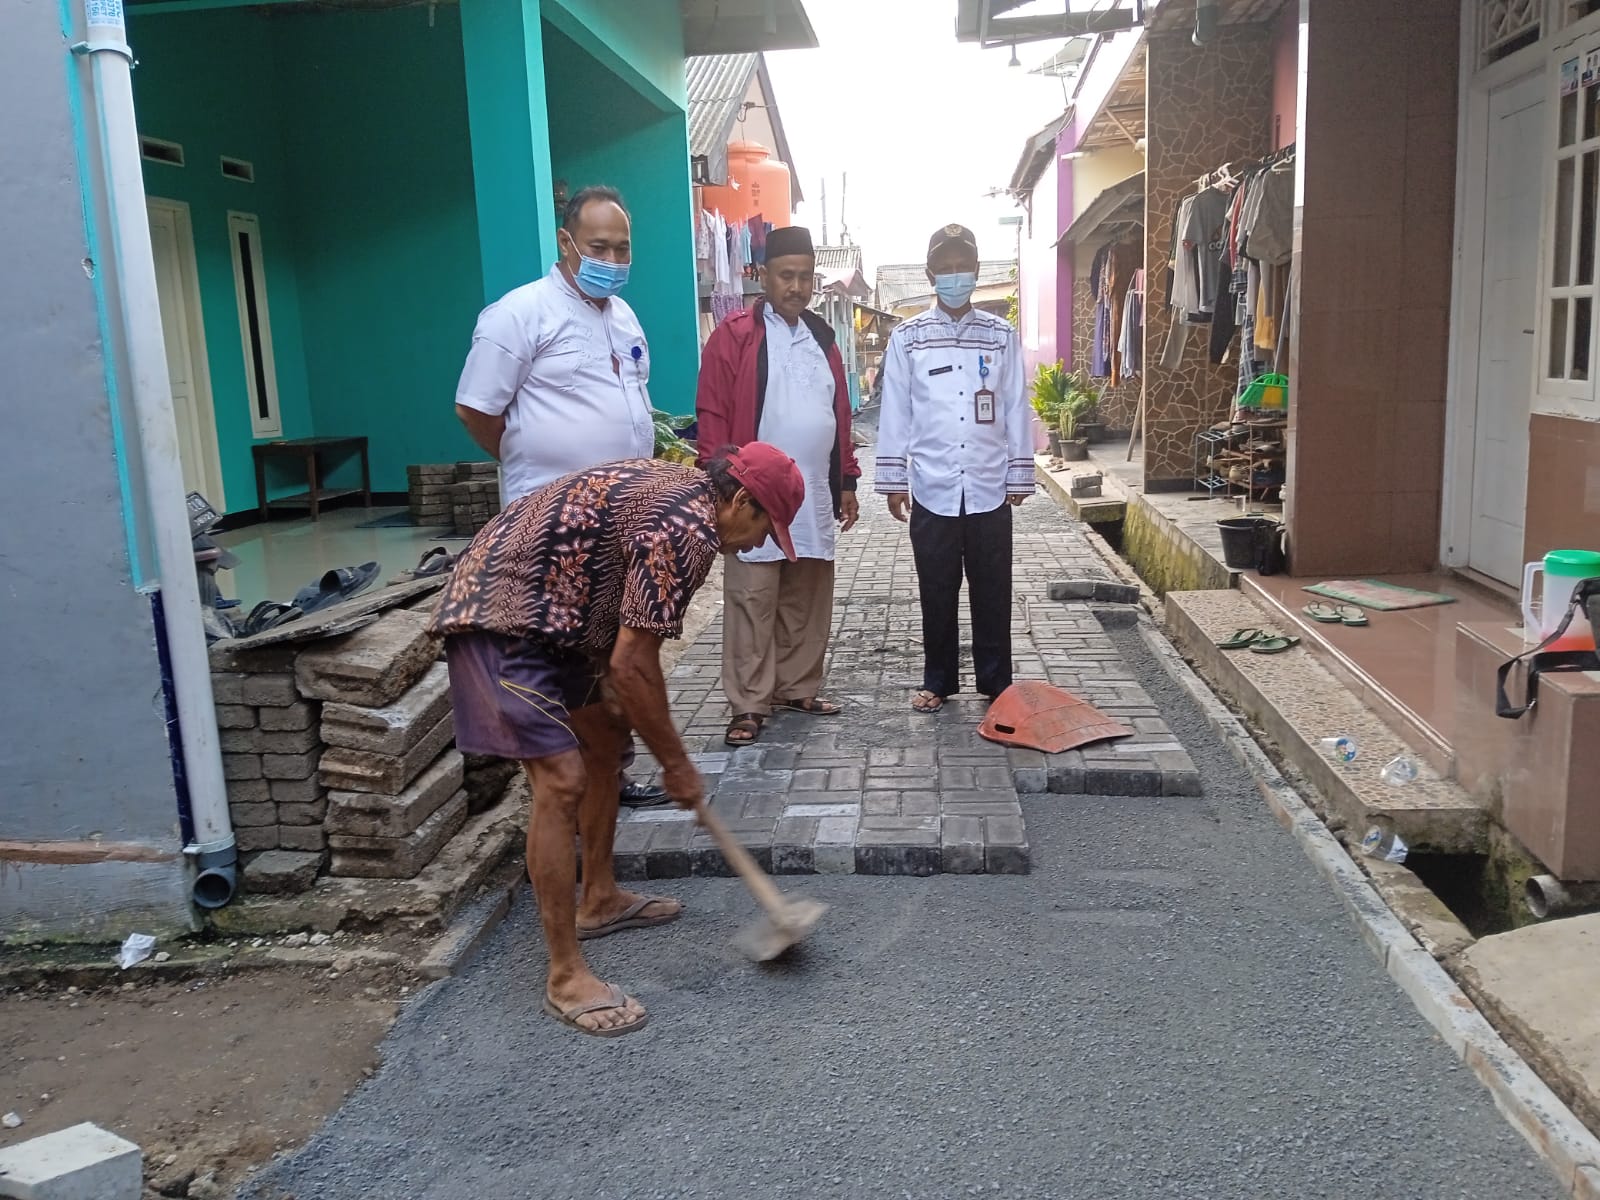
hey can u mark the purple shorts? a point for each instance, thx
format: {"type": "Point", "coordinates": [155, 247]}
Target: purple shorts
{"type": "Point", "coordinates": [514, 698]}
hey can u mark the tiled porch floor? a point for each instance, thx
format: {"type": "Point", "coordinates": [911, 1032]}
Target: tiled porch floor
{"type": "Point", "coordinates": [278, 558]}
{"type": "Point", "coordinates": [1409, 655]}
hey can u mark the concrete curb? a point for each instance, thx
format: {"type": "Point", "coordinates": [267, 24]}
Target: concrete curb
{"type": "Point", "coordinates": [1567, 1146]}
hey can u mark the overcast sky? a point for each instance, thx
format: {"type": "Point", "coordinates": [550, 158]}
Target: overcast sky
{"type": "Point", "coordinates": [923, 124]}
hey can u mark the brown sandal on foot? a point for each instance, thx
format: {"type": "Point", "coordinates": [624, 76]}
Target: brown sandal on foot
{"type": "Point", "coordinates": [746, 724]}
{"type": "Point", "coordinates": [812, 707]}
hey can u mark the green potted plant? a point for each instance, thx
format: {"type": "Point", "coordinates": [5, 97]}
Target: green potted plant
{"type": "Point", "coordinates": [1079, 396]}
{"type": "Point", "coordinates": [1050, 391]}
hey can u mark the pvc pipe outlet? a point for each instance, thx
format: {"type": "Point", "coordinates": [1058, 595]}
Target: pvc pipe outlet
{"type": "Point", "coordinates": [1548, 896]}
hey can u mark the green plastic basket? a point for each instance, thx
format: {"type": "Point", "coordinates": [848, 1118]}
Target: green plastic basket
{"type": "Point", "coordinates": [1269, 393]}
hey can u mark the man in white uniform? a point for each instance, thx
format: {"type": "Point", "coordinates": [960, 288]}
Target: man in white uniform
{"type": "Point", "coordinates": [555, 380]}
{"type": "Point", "coordinates": [773, 373]}
{"type": "Point", "coordinates": [955, 453]}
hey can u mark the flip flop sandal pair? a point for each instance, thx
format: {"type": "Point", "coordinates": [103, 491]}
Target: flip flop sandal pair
{"type": "Point", "coordinates": [341, 583]}
{"type": "Point", "coordinates": [1335, 614]}
{"type": "Point", "coordinates": [1257, 642]}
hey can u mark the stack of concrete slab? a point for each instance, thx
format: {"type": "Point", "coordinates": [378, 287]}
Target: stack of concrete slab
{"type": "Point", "coordinates": [474, 500]}
{"type": "Point", "coordinates": [271, 749]}
{"type": "Point", "coordinates": [394, 778]}
{"type": "Point", "coordinates": [428, 493]}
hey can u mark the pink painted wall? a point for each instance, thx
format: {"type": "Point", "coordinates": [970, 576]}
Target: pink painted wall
{"type": "Point", "coordinates": [1285, 76]}
{"type": "Point", "coordinates": [1036, 276]}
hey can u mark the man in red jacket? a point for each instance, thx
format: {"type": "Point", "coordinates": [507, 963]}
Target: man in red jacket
{"type": "Point", "coordinates": [773, 373]}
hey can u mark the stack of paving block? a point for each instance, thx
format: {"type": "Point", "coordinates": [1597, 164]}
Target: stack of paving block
{"type": "Point", "coordinates": [394, 777]}
{"type": "Point", "coordinates": [474, 497]}
{"type": "Point", "coordinates": [428, 493]}
{"type": "Point", "coordinates": [271, 748]}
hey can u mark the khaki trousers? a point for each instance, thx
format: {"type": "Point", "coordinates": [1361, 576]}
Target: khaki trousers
{"type": "Point", "coordinates": [776, 619]}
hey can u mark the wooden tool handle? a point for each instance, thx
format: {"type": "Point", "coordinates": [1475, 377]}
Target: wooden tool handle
{"type": "Point", "coordinates": [761, 887]}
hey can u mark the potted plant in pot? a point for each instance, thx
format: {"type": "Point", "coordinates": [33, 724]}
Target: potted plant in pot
{"type": "Point", "coordinates": [1049, 392]}
{"type": "Point", "coordinates": [1075, 447]}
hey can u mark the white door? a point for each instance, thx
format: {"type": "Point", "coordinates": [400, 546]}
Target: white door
{"type": "Point", "coordinates": [1510, 315]}
{"type": "Point", "coordinates": [178, 288]}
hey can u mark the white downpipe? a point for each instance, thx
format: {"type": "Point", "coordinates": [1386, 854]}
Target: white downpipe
{"type": "Point", "coordinates": [132, 276]}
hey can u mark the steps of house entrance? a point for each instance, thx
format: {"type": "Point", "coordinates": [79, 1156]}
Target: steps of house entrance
{"type": "Point", "coordinates": [1296, 701]}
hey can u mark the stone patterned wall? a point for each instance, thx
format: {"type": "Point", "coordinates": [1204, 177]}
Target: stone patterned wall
{"type": "Point", "coordinates": [1118, 405]}
{"type": "Point", "coordinates": [1203, 108]}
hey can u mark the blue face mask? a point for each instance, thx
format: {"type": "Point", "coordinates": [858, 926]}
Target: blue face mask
{"type": "Point", "coordinates": [955, 290]}
{"type": "Point", "coordinates": [600, 280]}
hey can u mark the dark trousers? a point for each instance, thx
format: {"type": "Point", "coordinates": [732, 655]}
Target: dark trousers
{"type": "Point", "coordinates": [977, 545]}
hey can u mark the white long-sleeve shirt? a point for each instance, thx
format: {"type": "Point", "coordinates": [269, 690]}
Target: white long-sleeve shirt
{"type": "Point", "coordinates": [930, 441]}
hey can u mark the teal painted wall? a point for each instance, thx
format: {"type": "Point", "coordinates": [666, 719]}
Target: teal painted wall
{"type": "Point", "coordinates": [386, 225]}
{"type": "Point", "coordinates": [639, 40]}
{"type": "Point", "coordinates": [193, 87]}
{"type": "Point", "coordinates": [636, 147]}
{"type": "Point", "coordinates": [504, 52]}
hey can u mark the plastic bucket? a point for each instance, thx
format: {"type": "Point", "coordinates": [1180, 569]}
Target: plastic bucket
{"type": "Point", "coordinates": [1242, 539]}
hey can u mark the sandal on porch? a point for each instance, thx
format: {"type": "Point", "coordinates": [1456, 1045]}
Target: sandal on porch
{"type": "Point", "coordinates": [811, 707]}
{"type": "Point", "coordinates": [269, 614]}
{"type": "Point", "coordinates": [632, 917]}
{"type": "Point", "coordinates": [1326, 614]}
{"type": "Point", "coordinates": [1274, 645]}
{"type": "Point", "coordinates": [1239, 639]}
{"type": "Point", "coordinates": [744, 729]}
{"type": "Point", "coordinates": [615, 999]}
{"type": "Point", "coordinates": [1350, 615]}
{"type": "Point", "coordinates": [436, 561]}
{"type": "Point", "coordinates": [336, 585]}
{"type": "Point", "coordinates": [927, 702]}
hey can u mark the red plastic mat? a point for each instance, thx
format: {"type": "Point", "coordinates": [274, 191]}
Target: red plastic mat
{"type": "Point", "coordinates": [1041, 717]}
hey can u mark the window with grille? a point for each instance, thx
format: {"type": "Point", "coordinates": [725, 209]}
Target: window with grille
{"type": "Point", "coordinates": [1506, 26]}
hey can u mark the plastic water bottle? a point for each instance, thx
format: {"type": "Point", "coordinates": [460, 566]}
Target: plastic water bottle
{"type": "Point", "coordinates": [1342, 748]}
{"type": "Point", "coordinates": [1398, 772]}
{"type": "Point", "coordinates": [1385, 844]}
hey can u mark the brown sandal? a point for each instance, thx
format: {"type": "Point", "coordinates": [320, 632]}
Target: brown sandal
{"type": "Point", "coordinates": [748, 724]}
{"type": "Point", "coordinates": [926, 702]}
{"type": "Point", "coordinates": [811, 707]}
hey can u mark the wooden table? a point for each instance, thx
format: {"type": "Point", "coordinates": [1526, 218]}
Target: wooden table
{"type": "Point", "coordinates": [309, 452]}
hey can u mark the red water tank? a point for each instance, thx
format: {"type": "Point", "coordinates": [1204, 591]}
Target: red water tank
{"type": "Point", "coordinates": [763, 186]}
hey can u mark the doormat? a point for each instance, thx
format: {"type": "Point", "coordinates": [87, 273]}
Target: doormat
{"type": "Point", "coordinates": [1375, 594]}
{"type": "Point", "coordinates": [394, 520]}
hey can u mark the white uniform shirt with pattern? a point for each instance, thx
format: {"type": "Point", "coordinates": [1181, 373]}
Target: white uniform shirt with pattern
{"type": "Point", "coordinates": [930, 441]}
{"type": "Point", "coordinates": [543, 355]}
{"type": "Point", "coordinates": [797, 417]}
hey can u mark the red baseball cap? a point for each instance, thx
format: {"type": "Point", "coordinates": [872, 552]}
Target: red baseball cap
{"type": "Point", "coordinates": [773, 479]}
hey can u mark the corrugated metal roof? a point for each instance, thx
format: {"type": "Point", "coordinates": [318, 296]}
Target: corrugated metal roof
{"type": "Point", "coordinates": [838, 260]}
{"type": "Point", "coordinates": [718, 84]}
{"type": "Point", "coordinates": [898, 281]}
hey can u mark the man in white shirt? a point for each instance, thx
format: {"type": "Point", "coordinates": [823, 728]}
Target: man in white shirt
{"type": "Point", "coordinates": [555, 380]}
{"type": "Point", "coordinates": [773, 373]}
{"type": "Point", "coordinates": [955, 454]}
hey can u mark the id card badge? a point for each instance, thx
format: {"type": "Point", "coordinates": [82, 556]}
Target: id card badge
{"type": "Point", "coordinates": [983, 398]}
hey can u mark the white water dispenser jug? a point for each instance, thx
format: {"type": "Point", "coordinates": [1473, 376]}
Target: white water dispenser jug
{"type": "Point", "coordinates": [1563, 571]}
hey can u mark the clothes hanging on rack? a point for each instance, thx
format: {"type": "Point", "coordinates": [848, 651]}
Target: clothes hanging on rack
{"type": "Point", "coordinates": [1131, 344]}
{"type": "Point", "coordinates": [1110, 277]}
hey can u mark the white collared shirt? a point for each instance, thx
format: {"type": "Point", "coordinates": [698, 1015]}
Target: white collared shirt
{"type": "Point", "coordinates": [930, 442]}
{"type": "Point", "coordinates": [543, 355]}
{"type": "Point", "coordinates": [798, 418]}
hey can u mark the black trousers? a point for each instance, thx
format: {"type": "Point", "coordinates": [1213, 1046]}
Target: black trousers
{"type": "Point", "coordinates": [977, 546]}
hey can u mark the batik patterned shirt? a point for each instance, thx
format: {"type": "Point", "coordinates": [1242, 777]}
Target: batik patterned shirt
{"type": "Point", "coordinates": [624, 544]}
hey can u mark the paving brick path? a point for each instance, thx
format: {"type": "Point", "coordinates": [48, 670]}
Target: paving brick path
{"type": "Point", "coordinates": [881, 789]}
